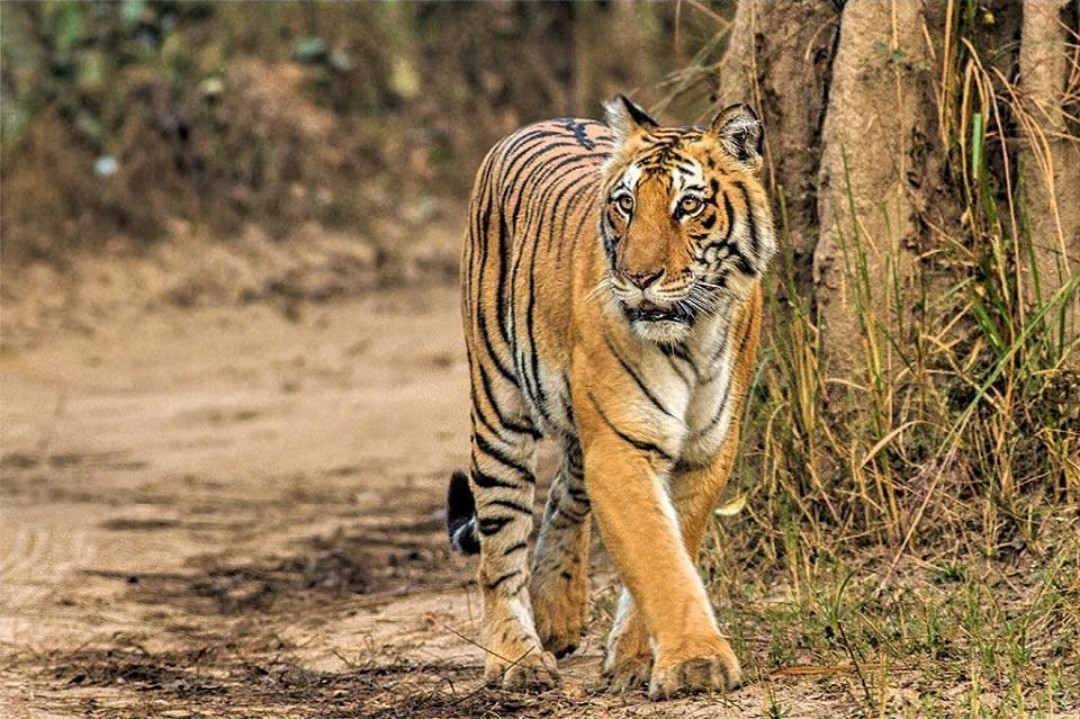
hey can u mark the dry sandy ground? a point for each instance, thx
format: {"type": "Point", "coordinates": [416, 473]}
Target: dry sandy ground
{"type": "Point", "coordinates": [237, 512]}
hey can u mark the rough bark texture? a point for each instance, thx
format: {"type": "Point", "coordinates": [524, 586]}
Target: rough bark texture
{"type": "Point", "coordinates": [1050, 168]}
{"type": "Point", "coordinates": [868, 106]}
{"type": "Point", "coordinates": [778, 60]}
{"type": "Point", "coordinates": [879, 105]}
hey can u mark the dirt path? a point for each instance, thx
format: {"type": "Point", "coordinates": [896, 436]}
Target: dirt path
{"type": "Point", "coordinates": [224, 512]}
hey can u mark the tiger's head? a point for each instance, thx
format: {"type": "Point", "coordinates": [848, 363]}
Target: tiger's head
{"type": "Point", "coordinates": [685, 220]}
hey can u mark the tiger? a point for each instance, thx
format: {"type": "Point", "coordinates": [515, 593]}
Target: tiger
{"type": "Point", "coordinates": [611, 301]}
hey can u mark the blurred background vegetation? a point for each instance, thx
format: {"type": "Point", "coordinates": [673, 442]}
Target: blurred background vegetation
{"type": "Point", "coordinates": [121, 118]}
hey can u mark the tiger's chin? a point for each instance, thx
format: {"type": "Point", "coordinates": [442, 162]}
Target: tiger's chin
{"type": "Point", "coordinates": [661, 332]}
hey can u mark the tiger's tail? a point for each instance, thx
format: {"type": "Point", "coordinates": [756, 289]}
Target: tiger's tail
{"type": "Point", "coordinates": [461, 515]}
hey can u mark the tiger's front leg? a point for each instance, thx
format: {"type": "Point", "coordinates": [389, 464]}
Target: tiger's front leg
{"type": "Point", "coordinates": [503, 486]}
{"type": "Point", "coordinates": [693, 491]}
{"type": "Point", "coordinates": [637, 520]}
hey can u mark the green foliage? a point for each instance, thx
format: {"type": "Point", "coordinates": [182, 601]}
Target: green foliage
{"type": "Point", "coordinates": [216, 114]}
{"type": "Point", "coordinates": [272, 113]}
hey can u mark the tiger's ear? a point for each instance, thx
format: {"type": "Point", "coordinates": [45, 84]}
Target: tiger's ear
{"type": "Point", "coordinates": [626, 118]}
{"type": "Point", "coordinates": [741, 134]}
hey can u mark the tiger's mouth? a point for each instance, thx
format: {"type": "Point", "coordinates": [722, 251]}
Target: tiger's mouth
{"type": "Point", "coordinates": [647, 311]}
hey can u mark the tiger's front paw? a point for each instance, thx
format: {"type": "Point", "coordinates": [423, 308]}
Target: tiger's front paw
{"type": "Point", "coordinates": [628, 673]}
{"type": "Point", "coordinates": [560, 615]}
{"type": "Point", "coordinates": [629, 659]}
{"type": "Point", "coordinates": [536, 671]}
{"type": "Point", "coordinates": [715, 669]}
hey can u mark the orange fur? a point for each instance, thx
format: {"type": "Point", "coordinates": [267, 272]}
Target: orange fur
{"type": "Point", "coordinates": [611, 301]}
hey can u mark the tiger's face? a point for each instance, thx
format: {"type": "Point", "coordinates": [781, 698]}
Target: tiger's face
{"type": "Point", "coordinates": [685, 220]}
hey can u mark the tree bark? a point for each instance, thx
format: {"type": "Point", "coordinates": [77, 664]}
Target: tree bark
{"type": "Point", "coordinates": [778, 61]}
{"type": "Point", "coordinates": [863, 103]}
{"type": "Point", "coordinates": [1050, 159]}
{"type": "Point", "coordinates": [879, 102]}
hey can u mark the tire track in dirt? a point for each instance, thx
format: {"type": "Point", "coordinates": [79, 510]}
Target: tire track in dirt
{"type": "Point", "coordinates": [36, 558]}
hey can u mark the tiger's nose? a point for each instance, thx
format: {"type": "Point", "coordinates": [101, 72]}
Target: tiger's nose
{"type": "Point", "coordinates": [644, 279]}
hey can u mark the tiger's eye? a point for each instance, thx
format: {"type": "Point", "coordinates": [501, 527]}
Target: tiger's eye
{"type": "Point", "coordinates": [625, 203]}
{"type": "Point", "coordinates": [689, 205]}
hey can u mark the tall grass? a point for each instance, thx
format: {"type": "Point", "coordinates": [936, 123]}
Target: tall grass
{"type": "Point", "coordinates": [968, 416]}
{"type": "Point", "coordinates": [924, 522]}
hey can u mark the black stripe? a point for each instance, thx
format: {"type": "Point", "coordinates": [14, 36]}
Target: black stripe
{"type": "Point", "coordinates": [540, 136]}
{"type": "Point", "coordinates": [479, 415]}
{"type": "Point", "coordinates": [530, 322]}
{"type": "Point", "coordinates": [493, 525]}
{"type": "Point", "coordinates": [487, 448]}
{"type": "Point", "coordinates": [729, 212]}
{"type": "Point", "coordinates": [486, 481]}
{"type": "Point", "coordinates": [500, 291]}
{"type": "Point", "coordinates": [487, 201]}
{"type": "Point", "coordinates": [755, 240]}
{"type": "Point", "coordinates": [572, 457]}
{"type": "Point", "coordinates": [536, 220]}
{"type": "Point", "coordinates": [481, 323]}
{"type": "Point", "coordinates": [679, 352]}
{"type": "Point", "coordinates": [636, 377]}
{"type": "Point", "coordinates": [673, 362]}
{"type": "Point", "coordinates": [718, 353]}
{"type": "Point", "coordinates": [509, 575]}
{"type": "Point", "coordinates": [566, 520]}
{"type": "Point", "coordinates": [746, 337]}
{"type": "Point", "coordinates": [516, 547]}
{"type": "Point", "coordinates": [731, 381]}
{"type": "Point", "coordinates": [509, 504]}
{"type": "Point", "coordinates": [559, 209]}
{"type": "Point", "coordinates": [485, 381]}
{"type": "Point", "coordinates": [633, 441]}
{"type": "Point", "coordinates": [575, 515]}
{"type": "Point", "coordinates": [528, 163]}
{"type": "Point", "coordinates": [516, 153]}
{"type": "Point", "coordinates": [579, 187]}
{"type": "Point", "coordinates": [579, 496]}
{"type": "Point", "coordinates": [719, 413]}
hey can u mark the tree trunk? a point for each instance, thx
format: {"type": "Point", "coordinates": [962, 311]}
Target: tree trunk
{"type": "Point", "coordinates": [868, 145]}
{"type": "Point", "coordinates": [879, 104]}
{"type": "Point", "coordinates": [778, 60]}
{"type": "Point", "coordinates": [1050, 169]}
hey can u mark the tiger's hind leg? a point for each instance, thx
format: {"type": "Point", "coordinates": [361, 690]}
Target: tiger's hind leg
{"type": "Point", "coordinates": [503, 484]}
{"type": "Point", "coordinates": [559, 587]}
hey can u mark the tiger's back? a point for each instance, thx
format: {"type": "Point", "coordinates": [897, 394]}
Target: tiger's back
{"type": "Point", "coordinates": [533, 202]}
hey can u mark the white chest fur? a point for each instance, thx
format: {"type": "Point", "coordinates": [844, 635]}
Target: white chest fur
{"type": "Point", "coordinates": [691, 387]}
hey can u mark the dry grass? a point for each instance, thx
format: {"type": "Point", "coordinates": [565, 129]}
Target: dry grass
{"type": "Point", "coordinates": [916, 534]}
